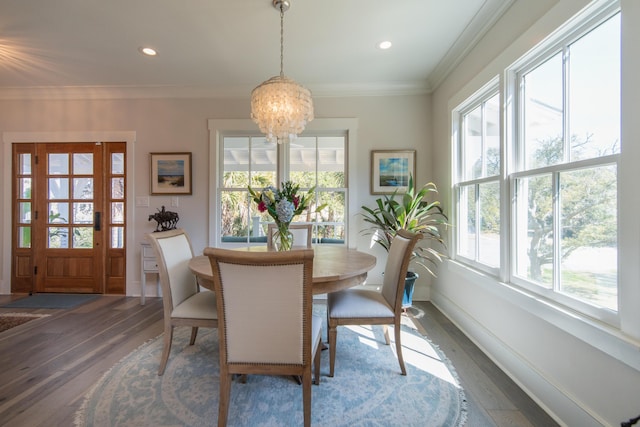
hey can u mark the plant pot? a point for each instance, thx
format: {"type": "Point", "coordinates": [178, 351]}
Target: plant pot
{"type": "Point", "coordinates": [409, 282]}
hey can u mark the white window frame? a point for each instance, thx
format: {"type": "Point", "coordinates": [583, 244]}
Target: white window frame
{"type": "Point", "coordinates": [485, 93]}
{"type": "Point", "coordinates": [219, 128]}
{"type": "Point", "coordinates": [510, 161]}
{"type": "Point", "coordinates": [513, 77]}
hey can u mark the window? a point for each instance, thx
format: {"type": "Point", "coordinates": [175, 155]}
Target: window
{"type": "Point", "coordinates": [309, 161]}
{"type": "Point", "coordinates": [559, 181]}
{"type": "Point", "coordinates": [478, 185]}
{"type": "Point", "coordinates": [565, 180]}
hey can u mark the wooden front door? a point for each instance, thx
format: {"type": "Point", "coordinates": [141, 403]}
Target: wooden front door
{"type": "Point", "coordinates": [68, 223]}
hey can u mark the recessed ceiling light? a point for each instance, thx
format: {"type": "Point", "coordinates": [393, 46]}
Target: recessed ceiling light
{"type": "Point", "coordinates": [384, 45]}
{"type": "Point", "coordinates": [148, 51]}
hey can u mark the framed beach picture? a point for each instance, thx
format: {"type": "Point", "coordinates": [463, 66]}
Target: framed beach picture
{"type": "Point", "coordinates": [170, 173]}
{"type": "Point", "coordinates": [390, 170]}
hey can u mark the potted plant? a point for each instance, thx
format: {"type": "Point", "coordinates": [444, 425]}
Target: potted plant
{"type": "Point", "coordinates": [413, 212]}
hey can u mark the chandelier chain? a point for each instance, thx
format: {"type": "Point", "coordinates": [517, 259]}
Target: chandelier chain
{"type": "Point", "coordinates": [281, 40]}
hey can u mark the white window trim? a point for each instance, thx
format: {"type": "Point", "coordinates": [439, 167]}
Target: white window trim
{"type": "Point", "coordinates": [621, 343]}
{"type": "Point", "coordinates": [589, 19]}
{"type": "Point", "coordinates": [488, 90]}
{"type": "Point", "coordinates": [219, 128]}
{"type": "Point", "coordinates": [596, 13]}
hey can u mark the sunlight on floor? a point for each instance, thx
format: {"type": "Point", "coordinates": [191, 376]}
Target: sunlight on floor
{"type": "Point", "coordinates": [417, 351]}
{"type": "Point", "coordinates": [365, 335]}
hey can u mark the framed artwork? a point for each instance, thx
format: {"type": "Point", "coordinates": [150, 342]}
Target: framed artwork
{"type": "Point", "coordinates": [390, 170]}
{"type": "Point", "coordinates": [170, 173]}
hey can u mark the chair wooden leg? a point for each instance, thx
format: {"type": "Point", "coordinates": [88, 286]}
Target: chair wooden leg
{"type": "Point", "coordinates": [399, 349]}
{"type": "Point", "coordinates": [306, 397]}
{"type": "Point", "coordinates": [387, 339]}
{"type": "Point", "coordinates": [194, 333]}
{"type": "Point", "coordinates": [333, 337]}
{"type": "Point", "coordinates": [223, 402]}
{"type": "Point", "coordinates": [316, 366]}
{"type": "Point", "coordinates": [168, 337]}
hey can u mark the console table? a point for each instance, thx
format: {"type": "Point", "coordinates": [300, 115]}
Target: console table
{"type": "Point", "coordinates": [149, 265]}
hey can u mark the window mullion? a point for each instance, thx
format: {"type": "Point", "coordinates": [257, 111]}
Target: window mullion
{"type": "Point", "coordinates": [283, 168]}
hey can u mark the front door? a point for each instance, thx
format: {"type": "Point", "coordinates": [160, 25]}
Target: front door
{"type": "Point", "coordinates": [69, 217]}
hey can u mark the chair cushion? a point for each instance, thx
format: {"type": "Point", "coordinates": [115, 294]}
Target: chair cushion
{"type": "Point", "coordinates": [354, 303]}
{"type": "Point", "coordinates": [201, 305]}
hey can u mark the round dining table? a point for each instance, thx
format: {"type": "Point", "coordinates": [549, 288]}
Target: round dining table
{"type": "Point", "coordinates": [335, 267]}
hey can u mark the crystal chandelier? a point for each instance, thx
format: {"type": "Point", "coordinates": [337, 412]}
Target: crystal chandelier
{"type": "Point", "coordinates": [280, 106]}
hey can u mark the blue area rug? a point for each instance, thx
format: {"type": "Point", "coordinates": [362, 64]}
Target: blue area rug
{"type": "Point", "coordinates": [51, 301]}
{"type": "Point", "coordinates": [367, 389]}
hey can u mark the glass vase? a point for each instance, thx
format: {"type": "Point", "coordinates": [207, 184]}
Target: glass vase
{"type": "Point", "coordinates": [283, 239]}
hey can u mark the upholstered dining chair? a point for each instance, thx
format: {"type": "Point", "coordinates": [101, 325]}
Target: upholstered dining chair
{"type": "Point", "coordinates": [301, 234]}
{"type": "Point", "coordinates": [183, 303]}
{"type": "Point", "coordinates": [265, 320]}
{"type": "Point", "coordinates": [357, 306]}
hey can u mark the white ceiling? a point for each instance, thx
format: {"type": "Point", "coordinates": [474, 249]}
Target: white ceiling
{"type": "Point", "coordinates": [214, 48]}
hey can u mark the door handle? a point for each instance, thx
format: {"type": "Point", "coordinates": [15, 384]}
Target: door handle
{"type": "Point", "coordinates": [96, 221]}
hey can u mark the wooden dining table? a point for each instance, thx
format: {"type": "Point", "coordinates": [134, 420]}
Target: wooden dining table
{"type": "Point", "coordinates": [335, 267]}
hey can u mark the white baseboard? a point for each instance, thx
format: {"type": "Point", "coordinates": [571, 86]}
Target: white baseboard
{"type": "Point", "coordinates": [560, 406]}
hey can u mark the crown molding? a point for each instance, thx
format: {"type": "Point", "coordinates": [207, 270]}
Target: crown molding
{"type": "Point", "coordinates": [481, 23]}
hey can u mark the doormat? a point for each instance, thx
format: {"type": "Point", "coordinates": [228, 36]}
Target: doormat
{"type": "Point", "coordinates": [11, 320]}
{"type": "Point", "coordinates": [52, 301]}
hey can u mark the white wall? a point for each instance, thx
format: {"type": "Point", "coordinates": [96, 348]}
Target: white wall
{"type": "Point", "coordinates": [181, 125]}
{"type": "Point", "coordinates": [583, 372]}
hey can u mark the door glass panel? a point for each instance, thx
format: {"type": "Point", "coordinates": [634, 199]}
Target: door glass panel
{"type": "Point", "coordinates": [117, 188]}
{"type": "Point", "coordinates": [58, 188]}
{"type": "Point", "coordinates": [58, 164]}
{"type": "Point", "coordinates": [58, 238]}
{"type": "Point", "coordinates": [117, 237]}
{"type": "Point", "coordinates": [83, 213]}
{"type": "Point", "coordinates": [83, 164]}
{"type": "Point", "coordinates": [24, 237]}
{"type": "Point", "coordinates": [25, 188]}
{"type": "Point", "coordinates": [117, 213]}
{"type": "Point", "coordinates": [117, 163]}
{"type": "Point", "coordinates": [58, 213]}
{"type": "Point", "coordinates": [25, 212]}
{"type": "Point", "coordinates": [24, 163]}
{"type": "Point", "coordinates": [83, 188]}
{"type": "Point", "coordinates": [82, 237]}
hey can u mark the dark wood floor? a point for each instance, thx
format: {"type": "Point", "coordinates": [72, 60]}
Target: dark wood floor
{"type": "Point", "coordinates": [47, 365]}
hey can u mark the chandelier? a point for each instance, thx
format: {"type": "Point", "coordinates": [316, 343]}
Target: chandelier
{"type": "Point", "coordinates": [280, 106]}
